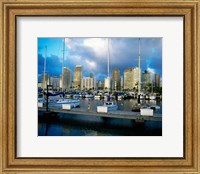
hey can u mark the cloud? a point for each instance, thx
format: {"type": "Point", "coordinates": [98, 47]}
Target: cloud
{"type": "Point", "coordinates": [152, 71]}
{"type": "Point", "coordinates": [98, 45]}
{"type": "Point", "coordinates": [92, 54]}
{"type": "Point", "coordinates": [69, 42]}
{"type": "Point", "coordinates": [91, 64]}
{"type": "Point", "coordinates": [53, 65]}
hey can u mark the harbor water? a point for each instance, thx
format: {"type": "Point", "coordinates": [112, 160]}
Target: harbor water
{"type": "Point", "coordinates": [64, 124]}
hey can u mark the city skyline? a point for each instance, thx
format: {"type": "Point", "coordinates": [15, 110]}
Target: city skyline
{"type": "Point", "coordinates": [129, 80]}
{"type": "Point", "coordinates": [91, 53]}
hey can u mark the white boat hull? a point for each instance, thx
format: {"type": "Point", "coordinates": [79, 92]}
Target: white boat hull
{"type": "Point", "coordinates": [106, 109]}
{"type": "Point", "coordinates": [69, 101]}
{"type": "Point", "coordinates": [152, 97]}
{"type": "Point", "coordinates": [146, 112]}
{"type": "Point", "coordinates": [89, 96]}
{"type": "Point", "coordinates": [40, 104]}
{"type": "Point", "coordinates": [70, 105]}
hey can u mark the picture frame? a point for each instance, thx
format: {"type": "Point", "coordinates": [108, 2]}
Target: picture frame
{"type": "Point", "coordinates": [10, 9]}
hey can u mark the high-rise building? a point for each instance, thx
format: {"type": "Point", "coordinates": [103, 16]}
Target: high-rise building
{"type": "Point", "coordinates": [157, 80]}
{"type": "Point", "coordinates": [136, 72]}
{"type": "Point", "coordinates": [91, 75]}
{"type": "Point", "coordinates": [77, 77]}
{"type": "Point", "coordinates": [122, 83]}
{"type": "Point", "coordinates": [128, 79]}
{"type": "Point", "coordinates": [146, 78]}
{"type": "Point", "coordinates": [107, 83]}
{"type": "Point", "coordinates": [39, 84]}
{"type": "Point", "coordinates": [131, 78]}
{"type": "Point", "coordinates": [55, 82]}
{"type": "Point", "coordinates": [88, 83]}
{"type": "Point", "coordinates": [116, 79]}
{"type": "Point", "coordinates": [67, 76]}
{"type": "Point", "coordinates": [45, 80]}
{"type": "Point", "coordinates": [100, 85]}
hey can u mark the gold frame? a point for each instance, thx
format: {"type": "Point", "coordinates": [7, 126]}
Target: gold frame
{"type": "Point", "coordinates": [189, 9]}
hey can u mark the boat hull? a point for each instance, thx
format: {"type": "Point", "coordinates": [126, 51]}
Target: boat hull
{"type": "Point", "coordinates": [106, 109]}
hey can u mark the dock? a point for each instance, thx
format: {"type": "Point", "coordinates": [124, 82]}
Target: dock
{"type": "Point", "coordinates": [113, 114]}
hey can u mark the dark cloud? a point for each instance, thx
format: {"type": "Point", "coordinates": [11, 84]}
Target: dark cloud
{"type": "Point", "coordinates": [53, 65]}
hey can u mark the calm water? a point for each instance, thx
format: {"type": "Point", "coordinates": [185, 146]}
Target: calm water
{"type": "Point", "coordinates": [83, 125]}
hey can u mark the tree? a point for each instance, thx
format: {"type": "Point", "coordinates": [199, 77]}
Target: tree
{"type": "Point", "coordinates": [148, 87]}
{"type": "Point", "coordinates": [157, 90]}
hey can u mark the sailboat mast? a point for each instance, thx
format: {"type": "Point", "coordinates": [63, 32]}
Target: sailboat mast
{"type": "Point", "coordinates": [152, 83]}
{"type": "Point", "coordinates": [139, 81]}
{"type": "Point", "coordinates": [45, 57]}
{"type": "Point", "coordinates": [63, 63]}
{"type": "Point", "coordinates": [108, 59]}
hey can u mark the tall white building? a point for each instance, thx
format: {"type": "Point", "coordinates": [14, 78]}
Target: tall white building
{"type": "Point", "coordinates": [128, 78]}
{"type": "Point", "coordinates": [77, 77]}
{"type": "Point", "coordinates": [45, 80]}
{"type": "Point", "coordinates": [131, 78]}
{"type": "Point", "coordinates": [136, 76]}
{"type": "Point", "coordinates": [55, 82]}
{"type": "Point", "coordinates": [67, 76]}
{"type": "Point", "coordinates": [88, 83]}
{"type": "Point", "coordinates": [107, 83]}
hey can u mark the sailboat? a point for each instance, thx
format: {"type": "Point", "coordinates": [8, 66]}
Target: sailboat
{"type": "Point", "coordinates": [63, 101]}
{"type": "Point", "coordinates": [42, 100]}
{"type": "Point", "coordinates": [109, 105]}
{"type": "Point", "coordinates": [137, 106]}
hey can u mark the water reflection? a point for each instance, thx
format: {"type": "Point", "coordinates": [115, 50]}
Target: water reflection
{"type": "Point", "coordinates": [83, 125]}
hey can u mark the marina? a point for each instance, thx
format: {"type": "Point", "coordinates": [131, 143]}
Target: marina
{"type": "Point", "coordinates": [98, 95]}
{"type": "Point", "coordinates": [86, 121]}
{"type": "Point", "coordinates": [89, 107]}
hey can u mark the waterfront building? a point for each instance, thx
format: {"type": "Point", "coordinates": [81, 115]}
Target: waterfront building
{"type": "Point", "coordinates": [128, 79]}
{"type": "Point", "coordinates": [39, 84]}
{"type": "Point", "coordinates": [45, 80]}
{"type": "Point", "coordinates": [131, 78]}
{"type": "Point", "coordinates": [67, 78]}
{"type": "Point", "coordinates": [116, 79]}
{"type": "Point", "coordinates": [55, 82]}
{"type": "Point", "coordinates": [88, 83]}
{"type": "Point", "coordinates": [77, 77]}
{"type": "Point", "coordinates": [107, 83]}
{"type": "Point", "coordinates": [100, 85]}
{"type": "Point", "coordinates": [136, 72]}
{"type": "Point", "coordinates": [157, 80]}
{"type": "Point", "coordinates": [146, 78]}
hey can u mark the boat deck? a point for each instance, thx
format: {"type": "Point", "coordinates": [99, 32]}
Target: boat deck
{"type": "Point", "coordinates": [111, 114]}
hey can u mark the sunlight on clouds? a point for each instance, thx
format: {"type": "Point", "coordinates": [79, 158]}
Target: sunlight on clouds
{"type": "Point", "coordinates": [152, 71]}
{"type": "Point", "coordinates": [91, 64]}
{"type": "Point", "coordinates": [69, 43]}
{"type": "Point", "coordinates": [98, 45]}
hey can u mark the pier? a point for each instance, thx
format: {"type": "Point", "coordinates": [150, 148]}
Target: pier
{"type": "Point", "coordinates": [113, 114]}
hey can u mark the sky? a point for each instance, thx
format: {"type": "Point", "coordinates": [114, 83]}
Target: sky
{"type": "Point", "coordinates": [92, 54]}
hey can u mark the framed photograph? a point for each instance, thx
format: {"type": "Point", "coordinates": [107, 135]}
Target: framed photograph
{"type": "Point", "coordinates": [103, 90]}
{"type": "Point", "coordinates": [91, 86]}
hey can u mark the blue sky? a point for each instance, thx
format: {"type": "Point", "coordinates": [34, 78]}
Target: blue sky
{"type": "Point", "coordinates": [92, 54]}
